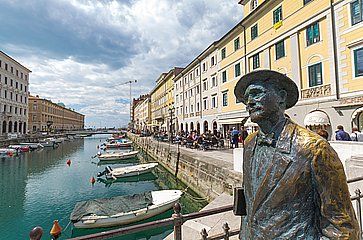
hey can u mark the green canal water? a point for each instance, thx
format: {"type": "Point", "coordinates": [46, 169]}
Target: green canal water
{"type": "Point", "coordinates": [38, 187]}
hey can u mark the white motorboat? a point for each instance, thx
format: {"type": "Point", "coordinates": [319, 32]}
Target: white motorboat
{"type": "Point", "coordinates": [117, 155]}
{"type": "Point", "coordinates": [32, 145]}
{"type": "Point", "coordinates": [59, 140]}
{"type": "Point", "coordinates": [123, 209]}
{"type": "Point", "coordinates": [127, 171]}
{"type": "Point", "coordinates": [47, 143]}
{"type": "Point", "coordinates": [119, 144]}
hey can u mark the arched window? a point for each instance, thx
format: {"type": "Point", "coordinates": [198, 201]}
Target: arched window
{"type": "Point", "coordinates": [215, 128]}
{"type": "Point", "coordinates": [181, 127]}
{"type": "Point", "coordinates": [10, 128]}
{"type": "Point", "coordinates": [16, 127]}
{"type": "Point", "coordinates": [360, 121]}
{"type": "Point", "coordinates": [205, 126]}
{"type": "Point", "coordinates": [4, 127]}
{"type": "Point", "coordinates": [191, 126]}
{"type": "Point", "coordinates": [24, 128]}
{"type": "Point", "coordinates": [198, 127]}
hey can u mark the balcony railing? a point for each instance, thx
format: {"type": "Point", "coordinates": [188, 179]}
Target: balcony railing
{"type": "Point", "coordinates": [315, 92]}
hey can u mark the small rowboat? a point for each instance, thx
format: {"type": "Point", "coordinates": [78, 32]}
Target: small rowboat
{"type": "Point", "coordinates": [127, 171]}
{"type": "Point", "coordinates": [117, 155]}
{"type": "Point", "coordinates": [123, 210]}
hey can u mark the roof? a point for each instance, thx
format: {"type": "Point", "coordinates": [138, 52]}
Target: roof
{"type": "Point", "coordinates": [16, 61]}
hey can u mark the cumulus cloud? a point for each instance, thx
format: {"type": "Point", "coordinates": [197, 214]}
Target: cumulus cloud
{"type": "Point", "coordinates": [79, 50]}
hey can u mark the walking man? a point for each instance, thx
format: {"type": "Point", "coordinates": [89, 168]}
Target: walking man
{"type": "Point", "coordinates": [294, 182]}
{"type": "Point", "coordinates": [341, 135]}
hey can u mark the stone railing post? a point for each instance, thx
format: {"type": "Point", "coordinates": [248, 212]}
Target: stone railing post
{"type": "Point", "coordinates": [178, 222]}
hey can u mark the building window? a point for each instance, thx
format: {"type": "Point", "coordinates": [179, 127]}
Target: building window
{"type": "Point", "coordinates": [254, 32]}
{"type": "Point", "coordinates": [356, 9]}
{"type": "Point", "coordinates": [212, 61]}
{"type": "Point", "coordinates": [197, 89]}
{"type": "Point", "coordinates": [277, 15]}
{"type": "Point", "coordinates": [254, 4]}
{"type": "Point", "coordinates": [237, 70]}
{"type": "Point", "coordinates": [315, 75]}
{"type": "Point", "coordinates": [223, 53]}
{"type": "Point", "coordinates": [191, 108]}
{"type": "Point", "coordinates": [224, 76]}
{"type": "Point", "coordinates": [312, 34]}
{"type": "Point", "coordinates": [17, 73]}
{"type": "Point", "coordinates": [214, 101]}
{"type": "Point", "coordinates": [5, 94]}
{"type": "Point", "coordinates": [11, 82]}
{"type": "Point", "coordinates": [280, 49]}
{"type": "Point", "coordinates": [11, 69]}
{"type": "Point", "coordinates": [24, 88]}
{"type": "Point", "coordinates": [205, 103]}
{"type": "Point", "coordinates": [256, 61]}
{"type": "Point", "coordinates": [6, 80]}
{"type": "Point", "coordinates": [225, 99]}
{"type": "Point", "coordinates": [214, 81]}
{"type": "Point", "coordinates": [205, 85]}
{"type": "Point", "coordinates": [186, 110]}
{"type": "Point", "coordinates": [6, 66]}
{"type": "Point", "coordinates": [358, 62]}
{"type": "Point", "coordinates": [198, 107]}
{"type": "Point", "coordinates": [191, 76]}
{"type": "Point", "coordinates": [236, 44]}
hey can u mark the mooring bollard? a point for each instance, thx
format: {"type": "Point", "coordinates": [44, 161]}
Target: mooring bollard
{"type": "Point", "coordinates": [204, 234]}
{"type": "Point", "coordinates": [178, 221]}
{"type": "Point", "coordinates": [36, 233]}
{"type": "Point", "coordinates": [226, 229]}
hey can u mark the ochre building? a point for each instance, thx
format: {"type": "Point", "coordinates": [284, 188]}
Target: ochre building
{"type": "Point", "coordinates": [45, 115]}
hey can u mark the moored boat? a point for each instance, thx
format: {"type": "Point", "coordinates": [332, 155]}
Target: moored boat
{"type": "Point", "coordinates": [32, 146]}
{"type": "Point", "coordinates": [117, 155]}
{"type": "Point", "coordinates": [128, 171]}
{"type": "Point", "coordinates": [123, 210]}
{"type": "Point", "coordinates": [20, 148]}
{"type": "Point", "coordinates": [8, 152]}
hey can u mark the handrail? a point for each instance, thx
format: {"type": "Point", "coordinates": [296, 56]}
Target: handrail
{"type": "Point", "coordinates": [356, 179]}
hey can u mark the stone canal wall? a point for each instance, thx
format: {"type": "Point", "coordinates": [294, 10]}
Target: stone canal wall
{"type": "Point", "coordinates": [206, 176]}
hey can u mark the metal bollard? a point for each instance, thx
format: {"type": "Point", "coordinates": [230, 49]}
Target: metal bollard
{"type": "Point", "coordinates": [226, 229]}
{"type": "Point", "coordinates": [178, 221]}
{"type": "Point", "coordinates": [204, 234]}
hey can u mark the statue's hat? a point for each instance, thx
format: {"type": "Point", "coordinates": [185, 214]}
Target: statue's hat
{"type": "Point", "coordinates": [282, 81]}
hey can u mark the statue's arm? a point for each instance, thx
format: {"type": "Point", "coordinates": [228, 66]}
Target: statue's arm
{"type": "Point", "coordinates": [335, 213]}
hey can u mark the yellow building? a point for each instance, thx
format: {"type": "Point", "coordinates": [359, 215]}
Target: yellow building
{"type": "Point", "coordinates": [318, 43]}
{"type": "Point", "coordinates": [162, 101]}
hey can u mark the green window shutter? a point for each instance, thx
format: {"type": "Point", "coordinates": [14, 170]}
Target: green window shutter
{"type": "Point", "coordinates": [236, 44]}
{"type": "Point", "coordinates": [280, 49]}
{"type": "Point", "coordinates": [356, 8]}
{"type": "Point", "coordinates": [254, 32]}
{"type": "Point", "coordinates": [277, 15]}
{"type": "Point", "coordinates": [315, 75]}
{"type": "Point", "coordinates": [223, 53]}
{"type": "Point", "coordinates": [224, 76]}
{"type": "Point", "coordinates": [237, 70]}
{"type": "Point", "coordinates": [358, 62]}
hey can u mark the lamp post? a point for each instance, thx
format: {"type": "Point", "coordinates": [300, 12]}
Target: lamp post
{"type": "Point", "coordinates": [171, 112]}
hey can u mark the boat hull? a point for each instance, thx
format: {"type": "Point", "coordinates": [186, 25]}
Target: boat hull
{"type": "Point", "coordinates": [117, 157]}
{"type": "Point", "coordinates": [127, 218]}
{"type": "Point", "coordinates": [130, 174]}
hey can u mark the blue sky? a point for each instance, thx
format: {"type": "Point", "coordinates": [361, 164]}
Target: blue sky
{"type": "Point", "coordinates": [79, 50]}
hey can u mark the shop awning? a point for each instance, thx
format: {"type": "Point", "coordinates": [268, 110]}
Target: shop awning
{"type": "Point", "coordinates": [230, 121]}
{"type": "Point", "coordinates": [356, 112]}
{"type": "Point", "coordinates": [316, 118]}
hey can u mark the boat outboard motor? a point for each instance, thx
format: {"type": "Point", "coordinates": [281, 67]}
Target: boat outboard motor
{"type": "Point", "coordinates": [107, 170]}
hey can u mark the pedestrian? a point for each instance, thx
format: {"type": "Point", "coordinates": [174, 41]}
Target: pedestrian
{"type": "Point", "coordinates": [323, 133]}
{"type": "Point", "coordinates": [356, 135]}
{"type": "Point", "coordinates": [244, 134]}
{"type": "Point", "coordinates": [341, 135]}
{"type": "Point", "coordinates": [235, 134]}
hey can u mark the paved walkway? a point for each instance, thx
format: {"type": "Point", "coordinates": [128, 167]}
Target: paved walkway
{"type": "Point", "coordinates": [213, 224]}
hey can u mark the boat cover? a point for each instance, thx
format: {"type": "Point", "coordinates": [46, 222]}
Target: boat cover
{"type": "Point", "coordinates": [111, 206]}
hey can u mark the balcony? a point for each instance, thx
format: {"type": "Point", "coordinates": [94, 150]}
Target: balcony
{"type": "Point", "coordinates": [316, 92]}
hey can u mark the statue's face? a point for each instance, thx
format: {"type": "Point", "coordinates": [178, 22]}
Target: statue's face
{"type": "Point", "coordinates": [262, 102]}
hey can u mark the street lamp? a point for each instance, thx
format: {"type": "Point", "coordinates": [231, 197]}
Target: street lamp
{"type": "Point", "coordinates": [171, 112]}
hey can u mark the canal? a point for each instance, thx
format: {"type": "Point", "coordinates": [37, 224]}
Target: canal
{"type": "Point", "coordinates": [39, 187]}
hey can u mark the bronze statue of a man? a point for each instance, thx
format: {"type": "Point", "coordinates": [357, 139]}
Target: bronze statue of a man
{"type": "Point", "coordinates": [294, 182]}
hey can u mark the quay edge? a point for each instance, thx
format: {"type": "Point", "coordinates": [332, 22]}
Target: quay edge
{"type": "Point", "coordinates": [206, 176]}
